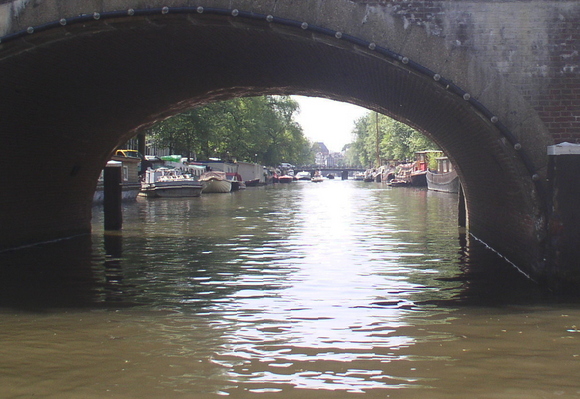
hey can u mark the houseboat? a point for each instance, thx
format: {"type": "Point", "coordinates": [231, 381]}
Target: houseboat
{"type": "Point", "coordinates": [130, 166]}
{"type": "Point", "coordinates": [253, 174]}
{"type": "Point", "coordinates": [444, 178]}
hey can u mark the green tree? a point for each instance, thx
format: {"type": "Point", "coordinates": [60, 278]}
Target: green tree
{"type": "Point", "coordinates": [397, 141]}
{"type": "Point", "coordinates": [259, 129]}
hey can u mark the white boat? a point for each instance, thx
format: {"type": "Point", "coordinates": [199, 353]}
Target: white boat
{"type": "Point", "coordinates": [444, 178]}
{"type": "Point", "coordinates": [170, 183]}
{"type": "Point", "coordinates": [317, 178]}
{"type": "Point", "coordinates": [304, 175]}
{"type": "Point", "coordinates": [215, 182]}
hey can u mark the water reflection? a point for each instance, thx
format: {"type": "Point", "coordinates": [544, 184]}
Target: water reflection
{"type": "Point", "coordinates": [293, 290]}
{"type": "Point", "coordinates": [58, 274]}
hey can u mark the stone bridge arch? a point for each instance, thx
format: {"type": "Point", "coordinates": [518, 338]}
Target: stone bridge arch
{"type": "Point", "coordinates": [81, 77]}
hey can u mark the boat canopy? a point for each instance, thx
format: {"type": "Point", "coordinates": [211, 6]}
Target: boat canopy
{"type": "Point", "coordinates": [213, 175]}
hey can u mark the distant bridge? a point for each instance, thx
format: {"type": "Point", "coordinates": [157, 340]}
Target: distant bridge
{"type": "Point", "coordinates": [328, 169]}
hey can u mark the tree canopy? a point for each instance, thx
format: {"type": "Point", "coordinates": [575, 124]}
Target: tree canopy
{"type": "Point", "coordinates": [256, 129]}
{"type": "Point", "coordinates": [396, 141]}
{"type": "Point", "coordinates": [264, 130]}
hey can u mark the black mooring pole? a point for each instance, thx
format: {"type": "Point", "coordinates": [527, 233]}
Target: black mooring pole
{"type": "Point", "coordinates": [563, 252]}
{"type": "Point", "coordinates": [113, 194]}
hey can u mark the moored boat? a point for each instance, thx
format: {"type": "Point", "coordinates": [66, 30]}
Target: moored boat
{"type": "Point", "coordinates": [444, 178]}
{"type": "Point", "coordinates": [304, 175]}
{"type": "Point", "coordinates": [398, 182]}
{"type": "Point", "coordinates": [169, 183]}
{"type": "Point", "coordinates": [252, 183]}
{"type": "Point", "coordinates": [215, 182]}
{"type": "Point", "coordinates": [131, 184]}
{"type": "Point", "coordinates": [285, 179]}
{"type": "Point", "coordinates": [317, 178]}
{"type": "Point", "coordinates": [236, 180]}
{"type": "Point", "coordinates": [369, 175]}
{"type": "Point", "coordinates": [252, 174]}
{"type": "Point", "coordinates": [387, 172]}
{"type": "Point", "coordinates": [418, 176]}
{"type": "Point", "coordinates": [402, 174]}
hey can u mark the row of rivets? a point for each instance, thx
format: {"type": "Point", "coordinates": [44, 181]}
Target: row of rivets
{"type": "Point", "coordinates": [269, 18]}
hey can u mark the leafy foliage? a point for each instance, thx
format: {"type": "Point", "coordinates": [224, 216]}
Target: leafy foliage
{"type": "Point", "coordinates": [397, 141]}
{"type": "Point", "coordinates": [257, 129]}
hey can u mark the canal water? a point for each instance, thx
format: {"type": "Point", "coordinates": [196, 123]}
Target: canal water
{"type": "Point", "coordinates": [340, 289]}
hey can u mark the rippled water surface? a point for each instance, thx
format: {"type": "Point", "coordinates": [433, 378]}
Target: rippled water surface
{"type": "Point", "coordinates": [334, 290]}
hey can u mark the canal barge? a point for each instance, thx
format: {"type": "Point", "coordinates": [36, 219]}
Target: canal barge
{"type": "Point", "coordinates": [444, 178]}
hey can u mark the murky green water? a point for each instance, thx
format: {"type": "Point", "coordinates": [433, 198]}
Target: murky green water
{"type": "Point", "coordinates": [335, 290]}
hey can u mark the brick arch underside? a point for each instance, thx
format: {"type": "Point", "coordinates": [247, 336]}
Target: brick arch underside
{"type": "Point", "coordinates": [73, 96]}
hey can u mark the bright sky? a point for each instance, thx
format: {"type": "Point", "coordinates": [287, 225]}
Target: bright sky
{"type": "Point", "coordinates": [328, 121]}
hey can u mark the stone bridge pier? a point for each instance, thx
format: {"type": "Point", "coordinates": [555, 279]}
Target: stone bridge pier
{"type": "Point", "coordinates": [493, 82]}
